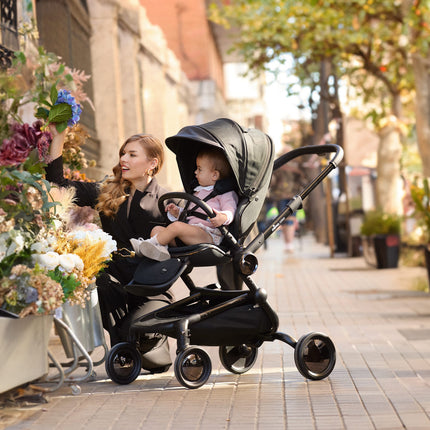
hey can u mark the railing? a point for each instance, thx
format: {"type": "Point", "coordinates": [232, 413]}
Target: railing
{"type": "Point", "coordinates": [8, 32]}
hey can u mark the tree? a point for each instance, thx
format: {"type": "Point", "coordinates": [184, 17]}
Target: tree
{"type": "Point", "coordinates": [370, 42]}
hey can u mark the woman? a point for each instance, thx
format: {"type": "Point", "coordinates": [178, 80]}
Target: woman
{"type": "Point", "coordinates": [127, 204]}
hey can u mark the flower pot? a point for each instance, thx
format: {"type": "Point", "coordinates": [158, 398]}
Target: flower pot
{"type": "Point", "coordinates": [368, 250]}
{"type": "Point", "coordinates": [381, 251]}
{"type": "Point", "coordinates": [387, 249]}
{"type": "Point", "coordinates": [23, 349]}
{"type": "Point", "coordinates": [427, 261]}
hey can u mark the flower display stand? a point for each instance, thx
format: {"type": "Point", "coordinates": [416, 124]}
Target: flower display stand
{"type": "Point", "coordinates": [24, 349]}
{"type": "Point", "coordinates": [81, 331]}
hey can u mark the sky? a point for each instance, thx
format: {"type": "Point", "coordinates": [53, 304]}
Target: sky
{"type": "Point", "coordinates": [281, 106]}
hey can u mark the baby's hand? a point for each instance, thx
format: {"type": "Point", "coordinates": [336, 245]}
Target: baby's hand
{"type": "Point", "coordinates": [173, 209]}
{"type": "Point", "coordinates": [219, 219]}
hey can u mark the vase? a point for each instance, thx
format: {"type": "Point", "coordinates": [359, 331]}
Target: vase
{"type": "Point", "coordinates": [85, 323]}
{"type": "Point", "coordinates": [23, 349]}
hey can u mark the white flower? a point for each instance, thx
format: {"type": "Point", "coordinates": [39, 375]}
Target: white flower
{"type": "Point", "coordinates": [67, 262]}
{"type": "Point", "coordinates": [79, 264]}
{"type": "Point", "coordinates": [50, 260]}
{"type": "Point", "coordinates": [57, 224]}
{"type": "Point", "coordinates": [95, 236]}
{"type": "Point", "coordinates": [17, 242]}
{"type": "Point", "coordinates": [38, 247]}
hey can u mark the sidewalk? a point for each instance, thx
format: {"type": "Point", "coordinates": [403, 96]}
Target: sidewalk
{"type": "Point", "coordinates": [379, 324]}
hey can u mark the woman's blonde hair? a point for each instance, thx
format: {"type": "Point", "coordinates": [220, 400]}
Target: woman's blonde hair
{"type": "Point", "coordinates": [113, 191]}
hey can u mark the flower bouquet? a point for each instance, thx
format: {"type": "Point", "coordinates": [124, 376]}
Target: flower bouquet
{"type": "Point", "coordinates": [45, 259]}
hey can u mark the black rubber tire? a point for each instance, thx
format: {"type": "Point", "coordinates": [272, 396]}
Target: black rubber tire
{"type": "Point", "coordinates": [315, 356]}
{"type": "Point", "coordinates": [123, 363]}
{"type": "Point", "coordinates": [193, 367]}
{"type": "Point", "coordinates": [238, 359]}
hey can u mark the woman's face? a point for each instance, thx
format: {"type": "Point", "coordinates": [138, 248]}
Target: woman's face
{"type": "Point", "coordinates": [135, 163]}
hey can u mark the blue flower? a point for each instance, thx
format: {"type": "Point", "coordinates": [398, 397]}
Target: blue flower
{"type": "Point", "coordinates": [64, 96]}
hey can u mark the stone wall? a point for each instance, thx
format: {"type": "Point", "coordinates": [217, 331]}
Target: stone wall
{"type": "Point", "coordinates": [138, 83]}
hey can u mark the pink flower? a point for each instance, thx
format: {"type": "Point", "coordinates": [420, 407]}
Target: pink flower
{"type": "Point", "coordinates": [24, 139]}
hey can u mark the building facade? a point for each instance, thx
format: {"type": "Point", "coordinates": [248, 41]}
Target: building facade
{"type": "Point", "coordinates": [155, 67]}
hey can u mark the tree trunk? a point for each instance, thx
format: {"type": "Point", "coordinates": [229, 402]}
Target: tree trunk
{"type": "Point", "coordinates": [389, 196]}
{"type": "Point", "coordinates": [422, 109]}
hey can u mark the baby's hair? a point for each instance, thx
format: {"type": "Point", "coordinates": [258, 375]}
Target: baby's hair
{"type": "Point", "coordinates": [218, 160]}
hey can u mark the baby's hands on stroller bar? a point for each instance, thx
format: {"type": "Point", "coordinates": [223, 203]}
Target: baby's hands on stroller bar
{"type": "Point", "coordinates": [219, 219]}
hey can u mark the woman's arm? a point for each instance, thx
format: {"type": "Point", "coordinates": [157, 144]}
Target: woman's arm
{"type": "Point", "coordinates": [86, 192]}
{"type": "Point", "coordinates": [57, 144]}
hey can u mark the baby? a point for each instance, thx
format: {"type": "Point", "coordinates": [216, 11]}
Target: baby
{"type": "Point", "coordinates": [212, 165]}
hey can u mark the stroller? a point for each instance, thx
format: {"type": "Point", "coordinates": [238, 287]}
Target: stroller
{"type": "Point", "coordinates": [222, 314]}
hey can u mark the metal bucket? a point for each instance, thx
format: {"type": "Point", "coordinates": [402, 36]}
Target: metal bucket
{"type": "Point", "coordinates": [85, 323]}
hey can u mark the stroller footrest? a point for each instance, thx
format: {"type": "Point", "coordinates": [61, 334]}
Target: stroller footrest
{"type": "Point", "coordinates": [201, 255]}
{"type": "Point", "coordinates": [155, 277]}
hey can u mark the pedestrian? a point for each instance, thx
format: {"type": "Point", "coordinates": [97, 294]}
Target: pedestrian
{"type": "Point", "coordinates": [127, 203]}
{"type": "Point", "coordinates": [285, 182]}
{"type": "Point", "coordinates": [212, 166]}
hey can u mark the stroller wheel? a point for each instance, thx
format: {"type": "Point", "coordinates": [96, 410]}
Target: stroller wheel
{"type": "Point", "coordinates": [238, 359]}
{"type": "Point", "coordinates": [315, 356]}
{"type": "Point", "coordinates": [193, 367]}
{"type": "Point", "coordinates": [123, 363]}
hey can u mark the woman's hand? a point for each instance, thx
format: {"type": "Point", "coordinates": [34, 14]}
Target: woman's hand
{"type": "Point", "coordinates": [57, 144]}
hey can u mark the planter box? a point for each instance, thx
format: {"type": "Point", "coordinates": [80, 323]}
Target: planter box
{"type": "Point", "coordinates": [381, 251]}
{"type": "Point", "coordinates": [23, 349]}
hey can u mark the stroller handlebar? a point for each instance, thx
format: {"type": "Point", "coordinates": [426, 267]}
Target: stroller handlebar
{"type": "Point", "coordinates": [311, 150]}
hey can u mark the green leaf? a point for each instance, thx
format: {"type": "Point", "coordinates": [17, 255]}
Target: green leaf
{"type": "Point", "coordinates": [60, 70]}
{"type": "Point", "coordinates": [42, 113]}
{"type": "Point", "coordinates": [53, 94]}
{"type": "Point", "coordinates": [46, 103]}
{"type": "Point", "coordinates": [60, 113]}
{"type": "Point", "coordinates": [61, 126]}
{"type": "Point", "coordinates": [21, 57]}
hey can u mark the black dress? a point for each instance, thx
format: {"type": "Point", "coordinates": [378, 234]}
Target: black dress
{"type": "Point", "coordinates": [116, 305]}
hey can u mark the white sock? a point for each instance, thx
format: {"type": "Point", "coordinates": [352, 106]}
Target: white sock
{"type": "Point", "coordinates": [155, 241]}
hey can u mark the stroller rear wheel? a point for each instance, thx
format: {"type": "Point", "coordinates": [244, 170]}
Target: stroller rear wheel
{"type": "Point", "coordinates": [193, 367]}
{"type": "Point", "coordinates": [239, 358]}
{"type": "Point", "coordinates": [315, 356]}
{"type": "Point", "coordinates": [123, 363]}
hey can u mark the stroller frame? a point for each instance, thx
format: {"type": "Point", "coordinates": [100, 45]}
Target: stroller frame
{"type": "Point", "coordinates": [236, 320]}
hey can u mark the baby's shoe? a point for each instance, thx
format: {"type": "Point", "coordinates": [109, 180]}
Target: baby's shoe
{"type": "Point", "coordinates": [154, 250]}
{"type": "Point", "coordinates": [135, 243]}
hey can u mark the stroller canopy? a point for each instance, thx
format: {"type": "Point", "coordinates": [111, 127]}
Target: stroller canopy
{"type": "Point", "coordinates": [249, 152]}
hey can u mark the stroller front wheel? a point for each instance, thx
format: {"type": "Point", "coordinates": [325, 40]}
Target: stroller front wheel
{"type": "Point", "coordinates": [315, 356]}
{"type": "Point", "coordinates": [193, 367]}
{"type": "Point", "coordinates": [123, 363]}
{"type": "Point", "coordinates": [239, 358]}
